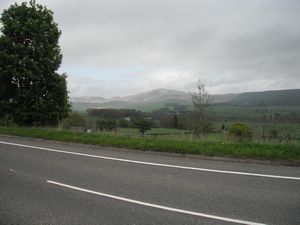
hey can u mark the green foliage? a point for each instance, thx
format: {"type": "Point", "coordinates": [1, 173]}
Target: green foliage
{"type": "Point", "coordinates": [123, 123]}
{"type": "Point", "coordinates": [240, 131]}
{"type": "Point", "coordinates": [249, 113]}
{"type": "Point", "coordinates": [31, 91]}
{"type": "Point", "coordinates": [290, 152]}
{"type": "Point", "coordinates": [175, 122]}
{"type": "Point", "coordinates": [74, 120]}
{"type": "Point", "coordinates": [142, 125]}
{"type": "Point", "coordinates": [223, 127]}
{"type": "Point", "coordinates": [106, 125]}
{"type": "Point", "coordinates": [200, 123]}
{"type": "Point", "coordinates": [7, 121]}
{"type": "Point", "coordinates": [113, 113]}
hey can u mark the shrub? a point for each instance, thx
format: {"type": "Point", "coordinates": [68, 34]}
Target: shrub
{"type": "Point", "coordinates": [6, 121]}
{"type": "Point", "coordinates": [74, 120]}
{"type": "Point", "coordinates": [241, 131]}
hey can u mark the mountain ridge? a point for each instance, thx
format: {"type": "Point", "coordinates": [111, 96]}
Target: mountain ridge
{"type": "Point", "coordinates": [159, 98]}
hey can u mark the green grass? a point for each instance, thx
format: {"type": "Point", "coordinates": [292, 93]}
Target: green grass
{"type": "Point", "coordinates": [283, 128]}
{"type": "Point", "coordinates": [153, 131]}
{"type": "Point", "coordinates": [200, 147]}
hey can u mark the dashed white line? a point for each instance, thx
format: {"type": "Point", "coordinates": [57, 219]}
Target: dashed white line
{"type": "Point", "coordinates": [153, 164]}
{"type": "Point", "coordinates": [154, 205]}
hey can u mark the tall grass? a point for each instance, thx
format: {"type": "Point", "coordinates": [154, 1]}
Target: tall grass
{"type": "Point", "coordinates": [290, 152]}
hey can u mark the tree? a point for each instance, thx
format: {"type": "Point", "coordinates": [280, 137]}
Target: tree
{"type": "Point", "coordinates": [32, 93]}
{"type": "Point", "coordinates": [201, 118]}
{"type": "Point", "coordinates": [142, 125]}
{"type": "Point", "coordinates": [175, 122]}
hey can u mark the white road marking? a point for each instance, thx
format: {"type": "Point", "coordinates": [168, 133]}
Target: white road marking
{"type": "Point", "coordinates": [154, 205]}
{"type": "Point", "coordinates": [153, 164]}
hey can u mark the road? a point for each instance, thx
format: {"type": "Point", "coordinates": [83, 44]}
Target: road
{"type": "Point", "coordinates": [43, 182]}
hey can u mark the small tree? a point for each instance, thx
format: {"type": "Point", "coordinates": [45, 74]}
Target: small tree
{"type": "Point", "coordinates": [201, 118]}
{"type": "Point", "coordinates": [142, 125]}
{"type": "Point", "coordinates": [31, 91]}
{"type": "Point", "coordinates": [223, 127]}
{"type": "Point", "coordinates": [175, 122]}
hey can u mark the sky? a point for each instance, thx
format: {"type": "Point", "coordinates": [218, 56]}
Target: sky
{"type": "Point", "coordinates": [123, 47]}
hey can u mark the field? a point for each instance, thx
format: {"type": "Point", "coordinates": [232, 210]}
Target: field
{"type": "Point", "coordinates": [217, 143]}
{"type": "Point", "coordinates": [284, 152]}
{"type": "Point", "coordinates": [247, 113]}
{"type": "Point", "coordinates": [169, 133]}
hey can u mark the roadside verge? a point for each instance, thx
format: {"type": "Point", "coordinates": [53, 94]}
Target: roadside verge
{"type": "Point", "coordinates": [286, 154]}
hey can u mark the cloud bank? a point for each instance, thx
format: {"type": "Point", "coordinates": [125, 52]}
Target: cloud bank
{"type": "Point", "coordinates": [116, 47]}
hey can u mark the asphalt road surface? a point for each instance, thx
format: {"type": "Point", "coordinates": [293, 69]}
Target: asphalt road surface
{"type": "Point", "coordinates": [43, 182]}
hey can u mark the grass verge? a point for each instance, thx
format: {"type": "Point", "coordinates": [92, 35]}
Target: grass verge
{"type": "Point", "coordinates": [288, 152]}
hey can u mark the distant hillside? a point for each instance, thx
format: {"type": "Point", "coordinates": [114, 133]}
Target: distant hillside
{"type": "Point", "coordinates": [223, 98]}
{"type": "Point", "coordinates": [160, 98]}
{"type": "Point", "coordinates": [269, 98]}
{"type": "Point", "coordinates": [88, 99]}
{"type": "Point", "coordinates": [82, 106]}
{"type": "Point", "coordinates": [147, 101]}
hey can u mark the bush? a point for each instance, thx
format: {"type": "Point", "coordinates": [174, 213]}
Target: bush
{"type": "Point", "coordinates": [241, 131]}
{"type": "Point", "coordinates": [6, 121]}
{"type": "Point", "coordinates": [74, 120]}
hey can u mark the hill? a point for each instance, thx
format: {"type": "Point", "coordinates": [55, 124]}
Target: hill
{"type": "Point", "coordinates": [146, 101]}
{"type": "Point", "coordinates": [269, 98]}
{"type": "Point", "coordinates": [88, 99]}
{"type": "Point", "coordinates": [160, 98]}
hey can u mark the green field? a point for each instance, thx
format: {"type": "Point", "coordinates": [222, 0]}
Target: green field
{"type": "Point", "coordinates": [287, 152]}
{"type": "Point", "coordinates": [153, 131]}
{"type": "Point", "coordinates": [247, 113]}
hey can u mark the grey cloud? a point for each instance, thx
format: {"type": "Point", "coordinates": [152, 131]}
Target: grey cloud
{"type": "Point", "coordinates": [231, 45]}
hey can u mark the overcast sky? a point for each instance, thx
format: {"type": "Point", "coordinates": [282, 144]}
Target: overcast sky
{"type": "Point", "coordinates": [122, 47]}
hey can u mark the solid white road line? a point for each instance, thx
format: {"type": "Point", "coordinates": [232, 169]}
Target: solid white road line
{"type": "Point", "coordinates": [152, 164]}
{"type": "Point", "coordinates": [154, 205]}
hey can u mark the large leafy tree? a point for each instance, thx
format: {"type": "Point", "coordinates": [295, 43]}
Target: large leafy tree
{"type": "Point", "coordinates": [32, 93]}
